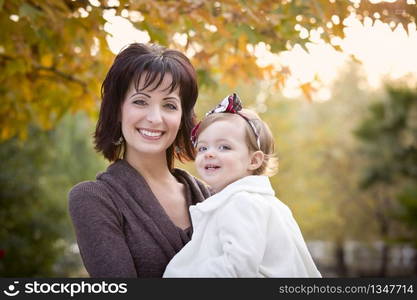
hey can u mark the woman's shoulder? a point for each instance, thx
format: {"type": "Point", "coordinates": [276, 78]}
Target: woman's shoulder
{"type": "Point", "coordinates": [91, 188]}
{"type": "Point", "coordinates": [88, 193]}
{"type": "Point", "coordinates": [84, 188]}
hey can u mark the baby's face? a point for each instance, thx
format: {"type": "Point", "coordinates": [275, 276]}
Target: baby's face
{"type": "Point", "coordinates": [222, 153]}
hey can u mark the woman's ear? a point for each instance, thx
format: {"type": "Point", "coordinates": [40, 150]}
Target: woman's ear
{"type": "Point", "coordinates": [257, 158]}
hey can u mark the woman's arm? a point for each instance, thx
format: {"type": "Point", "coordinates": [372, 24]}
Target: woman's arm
{"type": "Point", "coordinates": [100, 237]}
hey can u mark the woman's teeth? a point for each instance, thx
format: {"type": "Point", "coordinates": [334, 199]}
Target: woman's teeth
{"type": "Point", "coordinates": [150, 133]}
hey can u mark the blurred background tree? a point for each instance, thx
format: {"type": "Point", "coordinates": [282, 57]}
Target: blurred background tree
{"type": "Point", "coordinates": [55, 54]}
{"type": "Point", "coordinates": [27, 237]}
{"type": "Point", "coordinates": [389, 143]}
{"type": "Point", "coordinates": [35, 233]}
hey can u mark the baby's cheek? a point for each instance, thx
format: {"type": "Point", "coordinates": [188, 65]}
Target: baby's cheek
{"type": "Point", "coordinates": [198, 159]}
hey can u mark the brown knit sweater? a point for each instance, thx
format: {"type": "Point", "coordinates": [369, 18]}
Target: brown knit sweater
{"type": "Point", "coordinates": [121, 229]}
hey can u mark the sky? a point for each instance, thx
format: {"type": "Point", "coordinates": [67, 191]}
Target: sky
{"type": "Point", "coordinates": [385, 51]}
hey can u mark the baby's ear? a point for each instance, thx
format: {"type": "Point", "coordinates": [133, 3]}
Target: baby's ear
{"type": "Point", "coordinates": [257, 158]}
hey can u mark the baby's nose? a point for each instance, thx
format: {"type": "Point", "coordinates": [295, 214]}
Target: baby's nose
{"type": "Point", "coordinates": [209, 154]}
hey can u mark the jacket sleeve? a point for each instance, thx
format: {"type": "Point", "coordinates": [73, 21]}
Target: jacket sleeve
{"type": "Point", "coordinates": [99, 232]}
{"type": "Point", "coordinates": [242, 230]}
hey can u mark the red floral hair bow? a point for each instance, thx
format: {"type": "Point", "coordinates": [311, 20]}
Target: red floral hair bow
{"type": "Point", "coordinates": [231, 104]}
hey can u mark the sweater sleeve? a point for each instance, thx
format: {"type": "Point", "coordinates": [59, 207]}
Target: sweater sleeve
{"type": "Point", "coordinates": [99, 232]}
{"type": "Point", "coordinates": [242, 229]}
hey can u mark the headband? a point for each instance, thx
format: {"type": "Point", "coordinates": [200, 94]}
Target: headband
{"type": "Point", "coordinates": [231, 104]}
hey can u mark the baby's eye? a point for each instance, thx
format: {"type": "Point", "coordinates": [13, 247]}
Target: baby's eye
{"type": "Point", "coordinates": [224, 147]}
{"type": "Point", "coordinates": [202, 149]}
{"type": "Point", "coordinates": [171, 106]}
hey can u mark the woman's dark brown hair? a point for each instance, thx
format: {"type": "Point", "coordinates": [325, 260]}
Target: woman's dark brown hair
{"type": "Point", "coordinates": [128, 67]}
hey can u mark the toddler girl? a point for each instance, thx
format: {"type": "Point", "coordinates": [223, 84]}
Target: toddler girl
{"type": "Point", "coordinates": [243, 230]}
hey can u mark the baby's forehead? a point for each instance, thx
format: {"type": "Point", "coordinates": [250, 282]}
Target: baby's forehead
{"type": "Point", "coordinates": [229, 119]}
{"type": "Point", "coordinates": [232, 126]}
{"type": "Point", "coordinates": [232, 121]}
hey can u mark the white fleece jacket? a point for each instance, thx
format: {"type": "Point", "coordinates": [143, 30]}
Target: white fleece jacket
{"type": "Point", "coordinates": [243, 231]}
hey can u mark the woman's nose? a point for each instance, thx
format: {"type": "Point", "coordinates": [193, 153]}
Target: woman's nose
{"type": "Point", "coordinates": [154, 115]}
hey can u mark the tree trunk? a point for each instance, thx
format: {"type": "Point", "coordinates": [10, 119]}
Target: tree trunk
{"type": "Point", "coordinates": [415, 261]}
{"type": "Point", "coordinates": [384, 260]}
{"type": "Point", "coordinates": [341, 268]}
{"type": "Point", "coordinates": [384, 226]}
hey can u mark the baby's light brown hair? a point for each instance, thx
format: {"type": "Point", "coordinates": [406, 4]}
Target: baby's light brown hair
{"type": "Point", "coordinates": [269, 165]}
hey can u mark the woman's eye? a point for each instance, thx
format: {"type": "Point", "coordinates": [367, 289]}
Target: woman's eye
{"type": "Point", "coordinates": [171, 106]}
{"type": "Point", "coordinates": [224, 147]}
{"type": "Point", "coordinates": [140, 102]}
{"type": "Point", "coordinates": [202, 149]}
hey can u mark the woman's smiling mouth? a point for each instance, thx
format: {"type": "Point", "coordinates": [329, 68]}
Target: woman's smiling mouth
{"type": "Point", "coordinates": [150, 134]}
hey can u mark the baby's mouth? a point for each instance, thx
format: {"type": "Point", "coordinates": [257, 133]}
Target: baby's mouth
{"type": "Point", "coordinates": [211, 167]}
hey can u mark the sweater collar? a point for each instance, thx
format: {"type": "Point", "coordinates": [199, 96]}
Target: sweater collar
{"type": "Point", "coordinates": [131, 189]}
{"type": "Point", "coordinates": [252, 184]}
{"type": "Point", "coordinates": [130, 177]}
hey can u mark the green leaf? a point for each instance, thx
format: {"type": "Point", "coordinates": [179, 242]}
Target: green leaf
{"type": "Point", "coordinates": [205, 79]}
{"type": "Point", "coordinates": [27, 10]}
{"type": "Point", "coordinates": [253, 38]}
{"type": "Point", "coordinates": [156, 34]}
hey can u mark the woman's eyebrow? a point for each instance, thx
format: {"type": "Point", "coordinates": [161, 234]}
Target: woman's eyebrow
{"type": "Point", "coordinates": [171, 98]}
{"type": "Point", "coordinates": [140, 93]}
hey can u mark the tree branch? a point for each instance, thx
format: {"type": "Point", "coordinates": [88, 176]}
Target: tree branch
{"type": "Point", "coordinates": [62, 75]}
{"type": "Point", "coordinates": [53, 70]}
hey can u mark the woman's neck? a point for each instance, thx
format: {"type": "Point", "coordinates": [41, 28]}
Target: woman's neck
{"type": "Point", "coordinates": [151, 167]}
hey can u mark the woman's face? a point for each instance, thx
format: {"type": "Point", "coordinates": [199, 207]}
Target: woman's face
{"type": "Point", "coordinates": [150, 118]}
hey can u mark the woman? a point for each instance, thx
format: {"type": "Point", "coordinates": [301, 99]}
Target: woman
{"type": "Point", "coordinates": [134, 217]}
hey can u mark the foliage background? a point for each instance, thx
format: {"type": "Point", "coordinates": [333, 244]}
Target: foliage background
{"type": "Point", "coordinates": [347, 165]}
